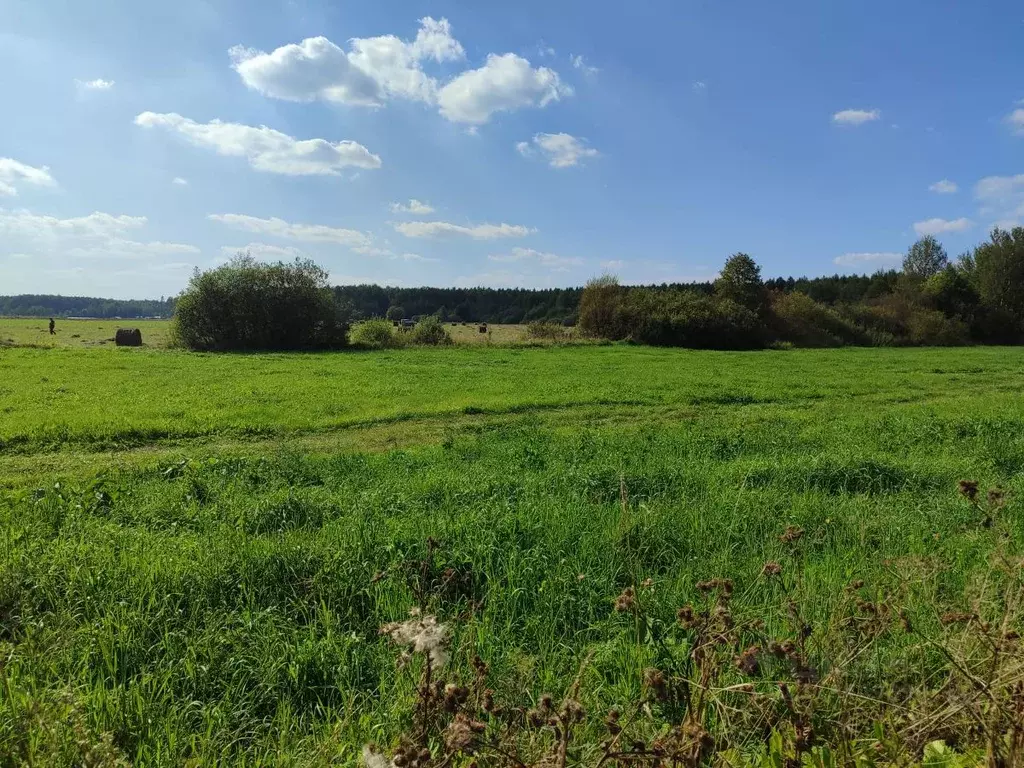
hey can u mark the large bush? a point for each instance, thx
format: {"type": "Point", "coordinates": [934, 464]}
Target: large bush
{"type": "Point", "coordinates": [376, 334]}
{"type": "Point", "coordinates": [798, 318]}
{"type": "Point", "coordinates": [429, 332]}
{"type": "Point", "coordinates": [686, 319]}
{"type": "Point", "coordinates": [600, 308]}
{"type": "Point", "coordinates": [247, 305]}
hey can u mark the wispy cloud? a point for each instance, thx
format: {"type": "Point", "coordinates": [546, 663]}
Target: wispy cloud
{"type": "Point", "coordinates": [440, 229]}
{"type": "Point", "coordinates": [856, 116]}
{"type": "Point", "coordinates": [942, 226]}
{"type": "Point", "coordinates": [99, 84]}
{"type": "Point", "coordinates": [944, 187]}
{"type": "Point", "coordinates": [867, 259]}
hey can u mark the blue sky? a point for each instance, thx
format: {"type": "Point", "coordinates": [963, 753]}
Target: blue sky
{"type": "Point", "coordinates": [534, 143]}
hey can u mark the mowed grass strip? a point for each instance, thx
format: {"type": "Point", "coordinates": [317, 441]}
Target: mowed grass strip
{"type": "Point", "coordinates": [59, 398]}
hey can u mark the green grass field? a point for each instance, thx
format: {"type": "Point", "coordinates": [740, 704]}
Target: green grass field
{"type": "Point", "coordinates": [199, 550]}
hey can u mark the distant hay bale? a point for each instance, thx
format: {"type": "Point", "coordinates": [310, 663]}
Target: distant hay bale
{"type": "Point", "coordinates": [128, 337]}
{"type": "Point", "coordinates": [483, 328]}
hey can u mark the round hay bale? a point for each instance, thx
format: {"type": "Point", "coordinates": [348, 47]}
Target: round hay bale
{"type": "Point", "coordinates": [128, 337]}
{"type": "Point", "coordinates": [483, 328]}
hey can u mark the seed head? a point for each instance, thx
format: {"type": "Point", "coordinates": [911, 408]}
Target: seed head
{"type": "Point", "coordinates": [969, 489]}
{"type": "Point", "coordinates": [686, 617]}
{"type": "Point", "coordinates": [792, 534]}
{"type": "Point", "coordinates": [747, 662]}
{"type": "Point", "coordinates": [655, 681]}
{"type": "Point", "coordinates": [624, 603]}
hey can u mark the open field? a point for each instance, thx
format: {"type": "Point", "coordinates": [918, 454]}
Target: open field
{"type": "Point", "coordinates": [84, 334]}
{"type": "Point", "coordinates": [198, 550]}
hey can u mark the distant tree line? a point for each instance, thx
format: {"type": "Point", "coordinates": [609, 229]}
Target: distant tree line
{"type": "Point", "coordinates": [29, 305]}
{"type": "Point", "coordinates": [931, 301]}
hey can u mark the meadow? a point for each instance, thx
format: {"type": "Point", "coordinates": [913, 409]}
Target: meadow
{"type": "Point", "coordinates": [199, 551]}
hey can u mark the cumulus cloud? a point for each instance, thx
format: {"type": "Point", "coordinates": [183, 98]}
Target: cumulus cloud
{"type": "Point", "coordinates": [414, 206]}
{"type": "Point", "coordinates": [264, 148]}
{"type": "Point", "coordinates": [856, 116]}
{"type": "Point", "coordinates": [97, 235]}
{"type": "Point", "coordinates": [1016, 121]}
{"type": "Point", "coordinates": [373, 71]}
{"type": "Point", "coordinates": [505, 83]}
{"type": "Point", "coordinates": [12, 173]}
{"type": "Point", "coordinates": [578, 62]}
{"type": "Point", "coordinates": [944, 187]}
{"type": "Point", "coordinates": [942, 226]}
{"type": "Point", "coordinates": [307, 233]}
{"type": "Point", "coordinates": [99, 84]}
{"type": "Point", "coordinates": [867, 259]}
{"type": "Point", "coordinates": [561, 150]}
{"type": "Point", "coordinates": [180, 182]}
{"type": "Point", "coordinates": [1002, 198]}
{"type": "Point", "coordinates": [547, 260]}
{"type": "Point", "coordinates": [442, 229]}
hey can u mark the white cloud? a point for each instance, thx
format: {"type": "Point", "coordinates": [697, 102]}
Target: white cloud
{"type": "Point", "coordinates": [613, 264]}
{"type": "Point", "coordinates": [1016, 121]}
{"type": "Point", "coordinates": [264, 148]}
{"type": "Point", "coordinates": [580, 63]}
{"type": "Point", "coordinates": [942, 226]}
{"type": "Point", "coordinates": [505, 83]}
{"type": "Point", "coordinates": [12, 172]}
{"type": "Point", "coordinates": [440, 229]}
{"type": "Point", "coordinates": [547, 260]}
{"type": "Point", "coordinates": [414, 257]}
{"type": "Point", "coordinates": [99, 84]}
{"type": "Point", "coordinates": [856, 116]}
{"type": "Point", "coordinates": [867, 259]}
{"type": "Point", "coordinates": [699, 86]}
{"type": "Point", "coordinates": [944, 187]}
{"type": "Point", "coordinates": [178, 181]}
{"type": "Point", "coordinates": [373, 71]}
{"type": "Point", "coordinates": [95, 236]}
{"type": "Point", "coordinates": [263, 251]}
{"type": "Point", "coordinates": [560, 149]}
{"type": "Point", "coordinates": [414, 206]}
{"type": "Point", "coordinates": [308, 233]}
{"type": "Point", "coordinates": [1002, 198]}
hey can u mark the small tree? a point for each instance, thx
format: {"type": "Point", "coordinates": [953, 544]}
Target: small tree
{"type": "Point", "coordinates": [395, 313]}
{"type": "Point", "coordinates": [925, 259]}
{"type": "Point", "coordinates": [740, 281]}
{"type": "Point", "coordinates": [600, 308]}
{"type": "Point", "coordinates": [246, 305]}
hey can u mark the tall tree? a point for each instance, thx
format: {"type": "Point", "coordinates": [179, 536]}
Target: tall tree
{"type": "Point", "coordinates": [740, 281]}
{"type": "Point", "coordinates": [925, 258]}
{"type": "Point", "coordinates": [999, 271]}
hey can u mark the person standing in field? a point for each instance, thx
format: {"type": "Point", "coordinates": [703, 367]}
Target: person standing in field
{"type": "Point", "coordinates": [52, 326]}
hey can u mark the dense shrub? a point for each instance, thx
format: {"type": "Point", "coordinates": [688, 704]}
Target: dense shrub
{"type": "Point", "coordinates": [688, 319]}
{"type": "Point", "coordinates": [928, 327]}
{"type": "Point", "coordinates": [798, 318]}
{"type": "Point", "coordinates": [376, 334]}
{"type": "Point", "coordinates": [545, 330]}
{"type": "Point", "coordinates": [246, 305]}
{"type": "Point", "coordinates": [429, 332]}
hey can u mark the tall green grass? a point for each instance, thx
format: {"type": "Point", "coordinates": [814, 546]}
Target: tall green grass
{"type": "Point", "coordinates": [220, 602]}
